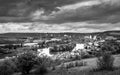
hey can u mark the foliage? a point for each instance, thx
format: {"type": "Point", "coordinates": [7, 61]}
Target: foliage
{"type": "Point", "coordinates": [41, 69]}
{"type": "Point", "coordinates": [73, 64]}
{"type": "Point", "coordinates": [85, 55]}
{"type": "Point", "coordinates": [26, 61]}
{"type": "Point", "coordinates": [62, 48]}
{"type": "Point", "coordinates": [42, 64]}
{"type": "Point", "coordinates": [111, 46]}
{"type": "Point", "coordinates": [80, 63]}
{"type": "Point", "coordinates": [7, 67]}
{"type": "Point", "coordinates": [76, 57]}
{"type": "Point", "coordinates": [105, 62]}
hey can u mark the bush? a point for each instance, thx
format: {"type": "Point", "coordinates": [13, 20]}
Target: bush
{"type": "Point", "coordinates": [105, 62]}
{"type": "Point", "coordinates": [85, 55]}
{"type": "Point", "coordinates": [41, 69]}
{"type": "Point", "coordinates": [62, 48]}
{"type": "Point", "coordinates": [73, 64]}
{"type": "Point", "coordinates": [42, 64]}
{"type": "Point", "coordinates": [7, 67]}
{"type": "Point", "coordinates": [26, 61]}
{"type": "Point", "coordinates": [80, 63]}
{"type": "Point", "coordinates": [76, 57]}
{"type": "Point", "coordinates": [70, 65]}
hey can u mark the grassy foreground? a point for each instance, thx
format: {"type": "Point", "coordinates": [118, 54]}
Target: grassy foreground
{"type": "Point", "coordinates": [77, 70]}
{"type": "Point", "coordinates": [86, 70]}
{"type": "Point", "coordinates": [115, 72]}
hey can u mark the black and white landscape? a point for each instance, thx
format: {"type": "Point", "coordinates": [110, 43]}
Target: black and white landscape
{"type": "Point", "coordinates": [59, 37]}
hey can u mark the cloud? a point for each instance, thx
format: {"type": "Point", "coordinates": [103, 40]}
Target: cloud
{"type": "Point", "coordinates": [57, 11]}
{"type": "Point", "coordinates": [101, 11]}
{"type": "Point", "coordinates": [24, 8]}
{"type": "Point", "coordinates": [59, 15]}
{"type": "Point", "coordinates": [15, 7]}
{"type": "Point", "coordinates": [79, 27]}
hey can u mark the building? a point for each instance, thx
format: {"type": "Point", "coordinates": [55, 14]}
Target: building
{"type": "Point", "coordinates": [30, 44]}
{"type": "Point", "coordinates": [55, 39]}
{"type": "Point", "coordinates": [44, 52]}
{"type": "Point", "coordinates": [79, 47]}
{"type": "Point", "coordinates": [110, 38]}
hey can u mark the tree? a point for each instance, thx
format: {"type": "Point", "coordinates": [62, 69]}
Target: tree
{"type": "Point", "coordinates": [26, 61]}
{"type": "Point", "coordinates": [105, 62]}
{"type": "Point", "coordinates": [42, 64]}
{"type": "Point", "coordinates": [7, 67]}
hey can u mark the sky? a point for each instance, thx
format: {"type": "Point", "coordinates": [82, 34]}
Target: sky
{"type": "Point", "coordinates": [81, 16]}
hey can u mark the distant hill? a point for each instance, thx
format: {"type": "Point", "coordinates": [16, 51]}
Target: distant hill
{"type": "Point", "coordinates": [45, 35]}
{"type": "Point", "coordinates": [10, 38]}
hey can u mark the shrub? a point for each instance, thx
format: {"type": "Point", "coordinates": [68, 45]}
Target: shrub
{"type": "Point", "coordinates": [76, 57]}
{"type": "Point", "coordinates": [85, 55]}
{"type": "Point", "coordinates": [42, 64]}
{"type": "Point", "coordinates": [26, 61]}
{"type": "Point", "coordinates": [70, 65]}
{"type": "Point", "coordinates": [80, 63]}
{"type": "Point", "coordinates": [62, 48]}
{"type": "Point", "coordinates": [41, 69]}
{"type": "Point", "coordinates": [105, 62]}
{"type": "Point", "coordinates": [7, 67]}
{"type": "Point", "coordinates": [73, 64]}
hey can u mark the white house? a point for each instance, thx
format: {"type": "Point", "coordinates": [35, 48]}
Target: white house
{"type": "Point", "coordinates": [79, 47]}
{"type": "Point", "coordinates": [44, 51]}
{"type": "Point", "coordinates": [95, 37]}
{"type": "Point", "coordinates": [55, 39]}
{"type": "Point", "coordinates": [30, 44]}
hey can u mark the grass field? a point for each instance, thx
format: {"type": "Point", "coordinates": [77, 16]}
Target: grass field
{"type": "Point", "coordinates": [115, 72]}
{"type": "Point", "coordinates": [86, 70]}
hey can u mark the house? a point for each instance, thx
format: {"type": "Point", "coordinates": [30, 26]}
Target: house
{"type": "Point", "coordinates": [88, 37]}
{"type": "Point", "coordinates": [55, 39]}
{"type": "Point", "coordinates": [44, 52]}
{"type": "Point", "coordinates": [79, 47]}
{"type": "Point", "coordinates": [118, 41]}
{"type": "Point", "coordinates": [30, 44]}
{"type": "Point", "coordinates": [38, 41]}
{"type": "Point", "coordinates": [110, 38]}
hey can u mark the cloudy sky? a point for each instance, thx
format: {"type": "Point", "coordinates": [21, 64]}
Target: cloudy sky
{"type": "Point", "coordinates": [59, 15]}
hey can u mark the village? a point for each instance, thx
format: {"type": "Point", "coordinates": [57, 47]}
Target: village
{"type": "Point", "coordinates": [61, 46]}
{"type": "Point", "coordinates": [65, 48]}
{"type": "Point", "coordinates": [56, 53]}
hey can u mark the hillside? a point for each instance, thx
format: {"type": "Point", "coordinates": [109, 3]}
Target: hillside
{"type": "Point", "coordinates": [47, 35]}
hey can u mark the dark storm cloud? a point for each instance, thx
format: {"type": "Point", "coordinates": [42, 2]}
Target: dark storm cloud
{"type": "Point", "coordinates": [11, 8]}
{"type": "Point", "coordinates": [99, 11]}
{"type": "Point", "coordinates": [25, 7]}
{"type": "Point", "coordinates": [5, 6]}
{"type": "Point", "coordinates": [59, 15]}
